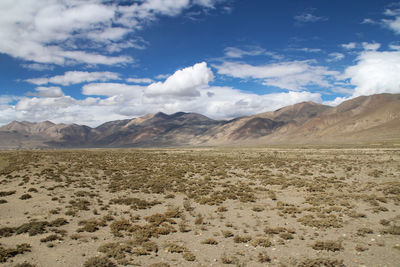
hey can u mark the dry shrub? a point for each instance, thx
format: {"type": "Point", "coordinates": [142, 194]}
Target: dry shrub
{"type": "Point", "coordinates": [263, 257]}
{"type": "Point", "coordinates": [262, 242]}
{"type": "Point", "coordinates": [241, 239]}
{"type": "Point", "coordinates": [6, 253]}
{"type": "Point", "coordinates": [210, 241]}
{"type": "Point", "coordinates": [52, 237]}
{"type": "Point", "coordinates": [325, 221]}
{"type": "Point", "coordinates": [189, 256]}
{"type": "Point", "coordinates": [90, 225]}
{"type": "Point", "coordinates": [392, 230]}
{"type": "Point", "coordinates": [175, 248]}
{"type": "Point", "coordinates": [7, 193]}
{"type": "Point", "coordinates": [99, 262]}
{"type": "Point", "coordinates": [320, 262]}
{"type": "Point", "coordinates": [118, 226]}
{"type": "Point", "coordinates": [328, 245]}
{"type": "Point", "coordinates": [116, 250]}
{"type": "Point", "coordinates": [364, 231]}
{"type": "Point", "coordinates": [25, 196]}
{"type": "Point", "coordinates": [32, 228]}
{"type": "Point", "coordinates": [25, 264]}
{"type": "Point", "coordinates": [227, 233]}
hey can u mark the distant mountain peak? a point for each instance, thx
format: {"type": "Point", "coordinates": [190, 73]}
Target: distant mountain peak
{"type": "Point", "coordinates": [375, 118]}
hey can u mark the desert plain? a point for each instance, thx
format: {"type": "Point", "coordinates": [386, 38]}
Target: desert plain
{"type": "Point", "coordinates": [272, 206]}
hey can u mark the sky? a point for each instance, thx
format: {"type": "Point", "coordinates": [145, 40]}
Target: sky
{"type": "Point", "coordinates": [93, 61]}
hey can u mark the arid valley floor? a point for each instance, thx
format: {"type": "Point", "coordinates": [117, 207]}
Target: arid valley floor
{"type": "Point", "coordinates": [307, 206]}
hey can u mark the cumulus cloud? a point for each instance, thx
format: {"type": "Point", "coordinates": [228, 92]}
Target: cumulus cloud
{"type": "Point", "coordinates": [185, 90]}
{"type": "Point", "coordinates": [295, 75]}
{"type": "Point", "coordinates": [55, 31]}
{"type": "Point", "coordinates": [183, 83]}
{"type": "Point", "coordinates": [74, 77]}
{"type": "Point", "coordinates": [215, 102]}
{"type": "Point", "coordinates": [52, 91]}
{"type": "Point", "coordinates": [375, 72]}
{"type": "Point", "coordinates": [228, 102]}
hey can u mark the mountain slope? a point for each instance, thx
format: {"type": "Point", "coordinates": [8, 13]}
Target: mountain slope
{"type": "Point", "coordinates": [355, 119]}
{"type": "Point", "coordinates": [362, 119]}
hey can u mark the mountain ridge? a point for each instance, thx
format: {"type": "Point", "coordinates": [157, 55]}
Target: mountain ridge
{"type": "Point", "coordinates": [361, 119]}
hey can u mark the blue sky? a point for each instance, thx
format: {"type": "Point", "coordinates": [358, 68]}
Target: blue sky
{"type": "Point", "coordinates": [91, 61]}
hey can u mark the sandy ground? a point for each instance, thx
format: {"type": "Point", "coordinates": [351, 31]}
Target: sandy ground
{"type": "Point", "coordinates": [201, 207]}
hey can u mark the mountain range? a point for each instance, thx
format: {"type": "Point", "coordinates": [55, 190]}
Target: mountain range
{"type": "Point", "coordinates": [374, 118]}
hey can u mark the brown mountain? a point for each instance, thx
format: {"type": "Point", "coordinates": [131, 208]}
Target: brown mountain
{"type": "Point", "coordinates": [362, 119]}
{"type": "Point", "coordinates": [365, 118]}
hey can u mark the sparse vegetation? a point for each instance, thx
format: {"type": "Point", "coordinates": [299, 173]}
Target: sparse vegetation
{"type": "Point", "coordinates": [99, 262]}
{"type": "Point", "coordinates": [6, 253]}
{"type": "Point", "coordinates": [328, 245]}
{"type": "Point", "coordinates": [242, 203]}
{"type": "Point", "coordinates": [25, 196]}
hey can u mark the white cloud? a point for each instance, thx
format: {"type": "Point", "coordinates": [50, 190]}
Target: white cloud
{"type": "Point", "coordinates": [206, 3]}
{"type": "Point", "coordinates": [46, 104]}
{"type": "Point", "coordinates": [393, 24]}
{"type": "Point", "coordinates": [185, 90]}
{"type": "Point", "coordinates": [295, 75]}
{"type": "Point", "coordinates": [38, 67]}
{"type": "Point", "coordinates": [62, 110]}
{"type": "Point", "coordinates": [6, 99]}
{"type": "Point", "coordinates": [342, 90]}
{"type": "Point", "coordinates": [394, 46]}
{"type": "Point", "coordinates": [336, 101]}
{"type": "Point", "coordinates": [46, 31]}
{"type": "Point", "coordinates": [375, 72]}
{"type": "Point", "coordinates": [139, 80]}
{"type": "Point", "coordinates": [227, 102]}
{"type": "Point", "coordinates": [234, 52]}
{"type": "Point", "coordinates": [364, 45]}
{"type": "Point", "coordinates": [371, 46]}
{"type": "Point", "coordinates": [349, 46]}
{"type": "Point", "coordinates": [308, 50]}
{"type": "Point", "coordinates": [51, 92]}
{"type": "Point", "coordinates": [369, 21]}
{"type": "Point", "coordinates": [308, 16]}
{"type": "Point", "coordinates": [112, 89]}
{"type": "Point", "coordinates": [183, 83]}
{"type": "Point", "coordinates": [162, 76]}
{"type": "Point", "coordinates": [74, 77]}
{"type": "Point", "coordinates": [54, 31]}
{"type": "Point", "coordinates": [335, 57]}
{"type": "Point", "coordinates": [215, 102]}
